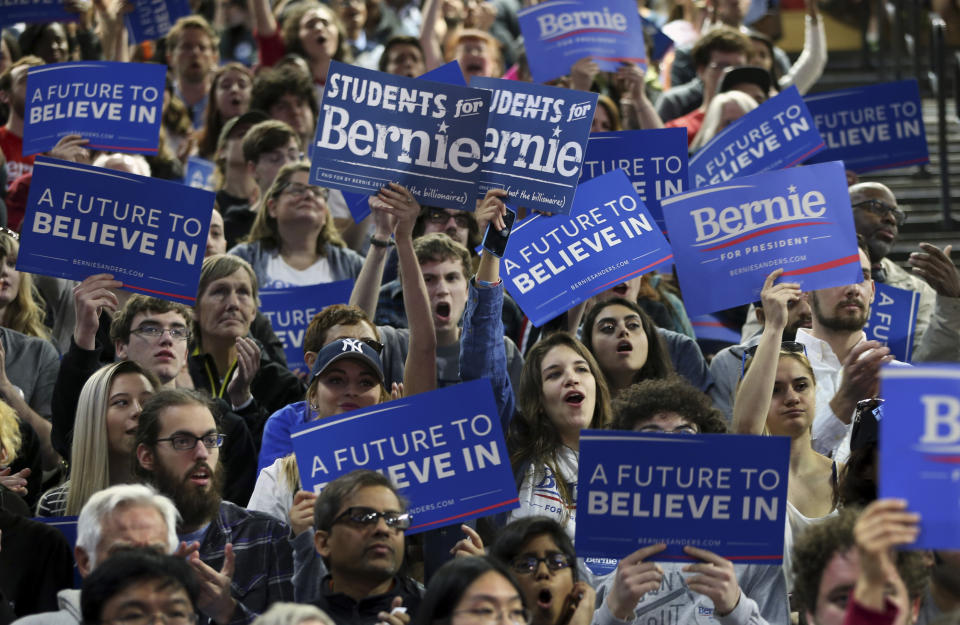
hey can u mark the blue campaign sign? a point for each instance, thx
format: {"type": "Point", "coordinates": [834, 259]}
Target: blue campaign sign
{"type": "Point", "coordinates": [67, 525]}
{"type": "Point", "coordinates": [780, 133]}
{"type": "Point", "coordinates": [449, 73]}
{"type": "Point", "coordinates": [733, 235]}
{"type": "Point", "coordinates": [199, 173]}
{"type": "Point", "coordinates": [722, 492]}
{"type": "Point", "coordinates": [553, 262]}
{"type": "Point", "coordinates": [919, 455]}
{"type": "Point", "coordinates": [711, 328]}
{"type": "Point", "coordinates": [655, 161]}
{"type": "Point", "coordinates": [559, 33]}
{"type": "Point", "coordinates": [117, 106]}
{"type": "Point", "coordinates": [535, 142]}
{"type": "Point", "coordinates": [153, 20]}
{"type": "Point", "coordinates": [81, 220]}
{"type": "Point", "coordinates": [893, 318]}
{"type": "Point", "coordinates": [872, 127]}
{"type": "Point", "coordinates": [377, 128]}
{"type": "Point", "coordinates": [40, 11]}
{"type": "Point", "coordinates": [443, 449]}
{"type": "Point", "coordinates": [290, 311]}
{"type": "Point", "coordinates": [661, 42]}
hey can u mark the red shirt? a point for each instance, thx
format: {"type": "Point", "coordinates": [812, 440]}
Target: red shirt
{"type": "Point", "coordinates": [17, 164]}
{"type": "Point", "coordinates": [692, 121]}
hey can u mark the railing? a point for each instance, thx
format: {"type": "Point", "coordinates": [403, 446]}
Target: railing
{"type": "Point", "coordinates": [937, 76]}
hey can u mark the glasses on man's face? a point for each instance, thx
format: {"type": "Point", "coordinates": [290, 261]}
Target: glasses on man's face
{"type": "Point", "coordinates": [791, 347]}
{"type": "Point", "coordinates": [489, 614]}
{"type": "Point", "coordinates": [297, 190]}
{"type": "Point", "coordinates": [881, 209]}
{"type": "Point", "coordinates": [153, 333]}
{"type": "Point", "coordinates": [525, 565]}
{"type": "Point", "coordinates": [365, 517]}
{"type": "Point", "coordinates": [651, 428]}
{"type": "Point", "coordinates": [186, 442]}
{"type": "Point", "coordinates": [173, 618]}
{"type": "Point", "coordinates": [440, 217]}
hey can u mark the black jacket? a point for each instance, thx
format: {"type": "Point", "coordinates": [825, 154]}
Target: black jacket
{"type": "Point", "coordinates": [345, 611]}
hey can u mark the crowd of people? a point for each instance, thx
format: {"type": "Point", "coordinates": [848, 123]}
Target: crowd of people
{"type": "Point", "coordinates": [166, 428]}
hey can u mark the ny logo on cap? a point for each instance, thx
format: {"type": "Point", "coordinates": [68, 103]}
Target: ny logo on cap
{"type": "Point", "coordinates": [353, 345]}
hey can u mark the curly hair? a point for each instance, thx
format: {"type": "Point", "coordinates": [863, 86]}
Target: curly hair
{"type": "Point", "coordinates": [658, 363]}
{"type": "Point", "coordinates": [819, 543]}
{"type": "Point", "coordinates": [25, 313]}
{"type": "Point", "coordinates": [533, 438]}
{"type": "Point", "coordinates": [290, 31]}
{"type": "Point", "coordinates": [10, 439]}
{"type": "Point", "coordinates": [273, 84]}
{"type": "Point", "coordinates": [641, 402]}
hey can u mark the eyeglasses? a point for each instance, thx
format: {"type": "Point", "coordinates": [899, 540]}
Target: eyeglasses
{"type": "Point", "coordinates": [680, 429]}
{"type": "Point", "coordinates": [364, 517]}
{"type": "Point", "coordinates": [13, 234]}
{"type": "Point", "coordinates": [186, 442]}
{"type": "Point", "coordinates": [517, 616]}
{"type": "Point", "coordinates": [297, 190]}
{"type": "Point", "coordinates": [791, 347]}
{"type": "Point", "coordinates": [880, 209]}
{"type": "Point", "coordinates": [155, 332]}
{"type": "Point", "coordinates": [178, 618]}
{"type": "Point", "coordinates": [440, 217]}
{"type": "Point", "coordinates": [526, 565]}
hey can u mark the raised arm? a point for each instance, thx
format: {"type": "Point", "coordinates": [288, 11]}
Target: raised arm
{"type": "Point", "coordinates": [367, 286]}
{"type": "Point", "coordinates": [429, 40]}
{"type": "Point", "coordinates": [638, 112]}
{"type": "Point", "coordinates": [420, 369]}
{"type": "Point", "coordinates": [264, 22]}
{"type": "Point", "coordinates": [753, 399]}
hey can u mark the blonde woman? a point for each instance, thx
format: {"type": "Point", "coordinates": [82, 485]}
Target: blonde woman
{"type": "Point", "coordinates": [107, 414]}
{"type": "Point", "coordinates": [20, 302]}
{"type": "Point", "coordinates": [20, 470]}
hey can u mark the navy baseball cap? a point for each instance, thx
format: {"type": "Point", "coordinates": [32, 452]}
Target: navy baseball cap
{"type": "Point", "coordinates": [340, 349]}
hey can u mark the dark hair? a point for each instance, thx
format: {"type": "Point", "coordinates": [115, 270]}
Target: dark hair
{"type": "Point", "coordinates": [331, 497]}
{"type": "Point", "coordinates": [819, 543]}
{"type": "Point", "coordinates": [138, 303]}
{"type": "Point", "coordinates": [266, 136]}
{"type": "Point", "coordinates": [213, 120]}
{"type": "Point", "coordinates": [858, 478]}
{"type": "Point", "coordinates": [451, 581]}
{"type": "Point", "coordinates": [397, 40]}
{"type": "Point", "coordinates": [437, 247]}
{"type": "Point", "coordinates": [315, 336]}
{"type": "Point", "coordinates": [129, 567]}
{"type": "Point", "coordinates": [273, 84]}
{"type": "Point", "coordinates": [642, 401]}
{"type": "Point", "coordinates": [720, 39]}
{"type": "Point", "coordinates": [32, 34]}
{"type": "Point", "coordinates": [6, 78]}
{"type": "Point", "coordinates": [515, 535]}
{"type": "Point", "coordinates": [658, 363]}
{"type": "Point", "coordinates": [473, 230]}
{"type": "Point", "coordinates": [148, 425]}
{"type": "Point", "coordinates": [290, 31]}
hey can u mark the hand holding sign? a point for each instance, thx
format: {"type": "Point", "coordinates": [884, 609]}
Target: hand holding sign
{"type": "Point", "coordinates": [90, 298]}
{"type": "Point", "coordinates": [491, 210]}
{"type": "Point", "coordinates": [777, 300]}
{"type": "Point", "coordinates": [301, 513]}
{"type": "Point", "coordinates": [72, 148]}
{"type": "Point", "coordinates": [935, 266]}
{"type": "Point", "coordinates": [634, 578]}
{"type": "Point", "coordinates": [715, 579]}
{"type": "Point", "coordinates": [582, 74]}
{"type": "Point", "coordinates": [399, 202]}
{"type": "Point", "coordinates": [882, 526]}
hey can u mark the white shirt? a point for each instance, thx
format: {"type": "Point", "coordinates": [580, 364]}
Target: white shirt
{"type": "Point", "coordinates": [539, 495]}
{"type": "Point", "coordinates": [280, 274]}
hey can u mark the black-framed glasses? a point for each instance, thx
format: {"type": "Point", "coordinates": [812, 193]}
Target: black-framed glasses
{"type": "Point", "coordinates": [792, 347]}
{"type": "Point", "coordinates": [184, 441]}
{"type": "Point", "coordinates": [297, 190]}
{"type": "Point", "coordinates": [525, 565]}
{"type": "Point", "coordinates": [363, 517]}
{"type": "Point", "coordinates": [13, 234]}
{"type": "Point", "coordinates": [688, 428]}
{"type": "Point", "coordinates": [153, 332]}
{"type": "Point", "coordinates": [176, 618]}
{"type": "Point", "coordinates": [489, 614]}
{"type": "Point", "coordinates": [880, 209]}
{"type": "Point", "coordinates": [439, 217]}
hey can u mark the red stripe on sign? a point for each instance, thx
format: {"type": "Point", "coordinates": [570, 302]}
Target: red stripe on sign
{"type": "Point", "coordinates": [776, 557]}
{"type": "Point", "coordinates": [846, 260]}
{"type": "Point", "coordinates": [121, 148]}
{"type": "Point", "coordinates": [458, 516]}
{"type": "Point", "coordinates": [146, 290]}
{"type": "Point", "coordinates": [632, 273]}
{"type": "Point", "coordinates": [707, 324]}
{"type": "Point", "coordinates": [758, 233]}
{"type": "Point", "coordinates": [945, 459]}
{"type": "Point", "coordinates": [805, 156]}
{"type": "Point", "coordinates": [586, 30]}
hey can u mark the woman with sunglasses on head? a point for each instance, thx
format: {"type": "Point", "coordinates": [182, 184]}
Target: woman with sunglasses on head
{"type": "Point", "coordinates": [777, 396]}
{"type": "Point", "coordinates": [103, 436]}
{"type": "Point", "coordinates": [626, 344]}
{"type": "Point", "coordinates": [293, 240]}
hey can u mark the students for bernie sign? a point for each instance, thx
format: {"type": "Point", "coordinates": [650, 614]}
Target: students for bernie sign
{"type": "Point", "coordinates": [919, 455]}
{"type": "Point", "coordinates": [872, 127]}
{"type": "Point", "coordinates": [377, 128]}
{"type": "Point", "coordinates": [734, 234]}
{"type": "Point", "coordinates": [722, 492]}
{"type": "Point", "coordinates": [535, 142]}
{"type": "Point", "coordinates": [558, 34]}
{"type": "Point", "coordinates": [81, 220]}
{"type": "Point", "coordinates": [779, 133]}
{"type": "Point", "coordinates": [117, 106]}
{"type": "Point", "coordinates": [553, 262]}
{"type": "Point", "coordinates": [290, 311]}
{"type": "Point", "coordinates": [444, 450]}
{"type": "Point", "coordinates": [655, 161]}
{"type": "Point", "coordinates": [154, 19]}
{"type": "Point", "coordinates": [893, 319]}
